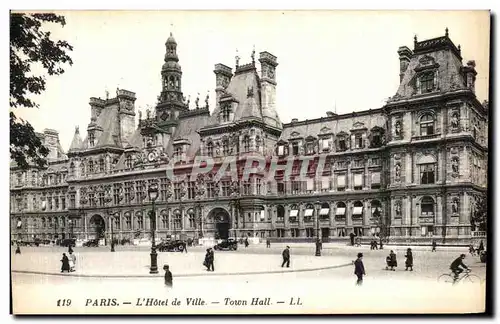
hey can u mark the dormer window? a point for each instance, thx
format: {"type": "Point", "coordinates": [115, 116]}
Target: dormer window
{"type": "Point", "coordinates": [325, 144]}
{"type": "Point", "coordinates": [226, 112]}
{"type": "Point", "coordinates": [342, 144]}
{"type": "Point", "coordinates": [426, 125]}
{"type": "Point", "coordinates": [376, 140]}
{"type": "Point", "coordinates": [178, 151]}
{"type": "Point", "coordinates": [257, 143]}
{"type": "Point", "coordinates": [281, 150]}
{"type": "Point", "coordinates": [91, 139]}
{"type": "Point", "coordinates": [225, 146]}
{"type": "Point", "coordinates": [427, 83]}
{"type": "Point", "coordinates": [295, 148]}
{"type": "Point", "coordinates": [310, 148]}
{"type": "Point", "coordinates": [358, 140]}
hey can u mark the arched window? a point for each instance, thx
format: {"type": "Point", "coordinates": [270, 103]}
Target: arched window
{"type": "Point", "coordinates": [210, 149]}
{"type": "Point", "coordinates": [91, 166]}
{"type": "Point", "coordinates": [91, 139]}
{"type": "Point", "coordinates": [177, 219]}
{"type": "Point", "coordinates": [226, 112]}
{"type": "Point", "coordinates": [164, 219]}
{"type": "Point", "coordinates": [246, 143]}
{"type": "Point", "coordinates": [341, 209]}
{"type": "Point", "coordinates": [192, 219]}
{"type": "Point", "coordinates": [426, 125]}
{"type": "Point", "coordinates": [427, 206]}
{"type": "Point", "coordinates": [280, 213]}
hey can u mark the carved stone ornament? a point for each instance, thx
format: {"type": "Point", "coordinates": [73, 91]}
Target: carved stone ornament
{"type": "Point", "coordinates": [398, 208]}
{"type": "Point", "coordinates": [397, 171]}
{"type": "Point", "coordinates": [398, 128]}
{"type": "Point", "coordinates": [455, 206]}
{"type": "Point", "coordinates": [455, 166]}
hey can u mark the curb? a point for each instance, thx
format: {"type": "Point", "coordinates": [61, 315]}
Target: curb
{"type": "Point", "coordinates": [180, 275]}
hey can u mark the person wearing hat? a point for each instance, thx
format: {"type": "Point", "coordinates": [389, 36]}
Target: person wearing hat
{"type": "Point", "coordinates": [409, 260]}
{"type": "Point", "coordinates": [286, 257]}
{"type": "Point", "coordinates": [359, 269]}
{"type": "Point", "coordinates": [168, 276]}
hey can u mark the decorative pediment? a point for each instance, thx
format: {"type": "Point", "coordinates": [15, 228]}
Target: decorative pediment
{"type": "Point", "coordinates": [358, 125]}
{"type": "Point", "coordinates": [282, 142]}
{"type": "Point", "coordinates": [325, 130]}
{"type": "Point", "coordinates": [295, 134]}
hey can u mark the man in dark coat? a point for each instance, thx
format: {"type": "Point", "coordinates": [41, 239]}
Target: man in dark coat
{"type": "Point", "coordinates": [391, 261]}
{"type": "Point", "coordinates": [211, 258]}
{"type": "Point", "coordinates": [359, 269]}
{"type": "Point", "coordinates": [246, 242]}
{"type": "Point", "coordinates": [458, 266]}
{"type": "Point", "coordinates": [434, 244]}
{"type": "Point", "coordinates": [168, 276]}
{"type": "Point", "coordinates": [65, 263]}
{"type": "Point", "coordinates": [207, 259]}
{"type": "Point", "coordinates": [268, 243]}
{"type": "Point", "coordinates": [286, 257]}
{"type": "Point", "coordinates": [480, 248]}
{"type": "Point", "coordinates": [352, 235]}
{"type": "Point", "coordinates": [18, 249]}
{"type": "Point", "coordinates": [409, 260]}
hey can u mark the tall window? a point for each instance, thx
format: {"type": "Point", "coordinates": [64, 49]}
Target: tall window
{"type": "Point", "coordinates": [210, 148]}
{"type": "Point", "coordinates": [63, 203]}
{"type": "Point", "coordinates": [427, 173]}
{"type": "Point", "coordinates": [91, 139]}
{"type": "Point", "coordinates": [426, 125]}
{"type": "Point", "coordinates": [226, 112]}
{"type": "Point", "coordinates": [72, 169]}
{"type": "Point", "coordinates": [140, 220]}
{"type": "Point", "coordinates": [91, 200]}
{"type": "Point", "coordinates": [101, 165]}
{"type": "Point", "coordinates": [341, 144]}
{"type": "Point", "coordinates": [129, 188]}
{"type": "Point", "coordinates": [211, 190]}
{"type": "Point", "coordinates": [177, 190]}
{"type": "Point", "coordinates": [177, 219]}
{"type": "Point", "coordinates": [163, 189]}
{"type": "Point", "coordinates": [295, 187]}
{"type": "Point", "coordinates": [295, 148]}
{"type": "Point", "coordinates": [140, 191]}
{"type": "Point", "coordinates": [281, 188]}
{"type": "Point", "coordinates": [225, 147]}
{"type": "Point", "coordinates": [257, 143]}
{"type": "Point", "coordinates": [116, 193]}
{"type": "Point", "coordinates": [226, 188]}
{"type": "Point", "coordinates": [246, 187]}
{"type": "Point", "coordinates": [178, 151]}
{"type": "Point", "coordinates": [258, 185]}
{"type": "Point", "coordinates": [192, 218]}
{"type": "Point", "coordinates": [191, 190]}
{"type": "Point", "coordinates": [358, 139]}
{"type": "Point", "coordinates": [128, 221]}
{"type": "Point", "coordinates": [101, 198]}
{"type": "Point", "coordinates": [427, 206]}
{"type": "Point", "coordinates": [91, 166]}
{"type": "Point", "coordinates": [164, 219]}
{"type": "Point", "coordinates": [427, 82]}
{"type": "Point", "coordinates": [72, 201]}
{"type": "Point", "coordinates": [34, 175]}
{"type": "Point", "coordinates": [128, 162]}
{"type": "Point", "coordinates": [310, 148]}
{"type": "Point", "coordinates": [246, 143]}
{"type": "Point", "coordinates": [82, 171]}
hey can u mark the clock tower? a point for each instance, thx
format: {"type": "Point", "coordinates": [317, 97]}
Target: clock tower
{"type": "Point", "coordinates": [171, 100]}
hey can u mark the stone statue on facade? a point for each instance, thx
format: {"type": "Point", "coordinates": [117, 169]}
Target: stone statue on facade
{"type": "Point", "coordinates": [398, 208]}
{"type": "Point", "coordinates": [398, 128]}
{"type": "Point", "coordinates": [454, 120]}
{"type": "Point", "coordinates": [454, 206]}
{"type": "Point", "coordinates": [397, 168]}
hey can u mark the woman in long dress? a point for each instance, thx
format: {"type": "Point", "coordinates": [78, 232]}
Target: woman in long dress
{"type": "Point", "coordinates": [65, 263]}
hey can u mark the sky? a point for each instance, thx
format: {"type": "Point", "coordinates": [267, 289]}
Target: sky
{"type": "Point", "coordinates": [341, 61]}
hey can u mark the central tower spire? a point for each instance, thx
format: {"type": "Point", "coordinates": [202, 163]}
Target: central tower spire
{"type": "Point", "coordinates": [171, 100]}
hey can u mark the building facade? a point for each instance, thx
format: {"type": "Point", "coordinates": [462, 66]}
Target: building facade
{"type": "Point", "coordinates": [413, 169]}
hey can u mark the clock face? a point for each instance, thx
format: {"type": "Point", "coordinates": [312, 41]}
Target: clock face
{"type": "Point", "coordinates": [151, 156]}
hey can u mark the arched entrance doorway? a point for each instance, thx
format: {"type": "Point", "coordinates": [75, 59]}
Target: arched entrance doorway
{"type": "Point", "coordinates": [97, 227]}
{"type": "Point", "coordinates": [221, 223]}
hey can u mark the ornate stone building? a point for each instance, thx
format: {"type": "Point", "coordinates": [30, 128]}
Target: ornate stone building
{"type": "Point", "coordinates": [411, 169]}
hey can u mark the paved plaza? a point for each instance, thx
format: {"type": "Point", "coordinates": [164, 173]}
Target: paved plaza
{"type": "Point", "coordinates": [328, 290]}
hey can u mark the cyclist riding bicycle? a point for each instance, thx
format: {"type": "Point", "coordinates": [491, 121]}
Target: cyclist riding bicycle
{"type": "Point", "coordinates": [455, 266]}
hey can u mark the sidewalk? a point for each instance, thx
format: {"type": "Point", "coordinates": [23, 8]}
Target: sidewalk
{"type": "Point", "coordinates": [126, 264]}
{"type": "Point", "coordinates": [336, 245]}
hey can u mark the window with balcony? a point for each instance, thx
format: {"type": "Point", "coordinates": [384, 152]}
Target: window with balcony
{"type": "Point", "coordinates": [281, 188]}
{"type": "Point", "coordinates": [358, 141]}
{"type": "Point", "coordinates": [427, 206]}
{"type": "Point", "coordinates": [258, 143]}
{"type": "Point", "coordinates": [226, 188]}
{"type": "Point", "coordinates": [426, 125]}
{"type": "Point", "coordinates": [427, 173]}
{"type": "Point", "coordinates": [341, 183]}
{"type": "Point", "coordinates": [358, 181]}
{"type": "Point", "coordinates": [258, 186]}
{"type": "Point", "coordinates": [128, 162]}
{"type": "Point", "coordinates": [101, 198]}
{"type": "Point", "coordinates": [295, 187]}
{"type": "Point", "coordinates": [341, 144]}
{"type": "Point", "coordinates": [295, 148]}
{"type": "Point", "coordinates": [191, 190]}
{"type": "Point", "coordinates": [246, 143]}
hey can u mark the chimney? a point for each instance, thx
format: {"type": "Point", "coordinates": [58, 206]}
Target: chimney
{"type": "Point", "coordinates": [470, 75]}
{"type": "Point", "coordinates": [223, 75]}
{"type": "Point", "coordinates": [330, 114]}
{"type": "Point", "coordinates": [404, 60]}
{"type": "Point", "coordinates": [294, 120]}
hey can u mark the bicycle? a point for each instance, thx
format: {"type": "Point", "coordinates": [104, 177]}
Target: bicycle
{"type": "Point", "coordinates": [465, 278]}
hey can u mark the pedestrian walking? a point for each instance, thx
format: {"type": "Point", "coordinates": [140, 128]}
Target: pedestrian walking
{"type": "Point", "coordinates": [434, 244]}
{"type": "Point", "coordinates": [18, 249]}
{"type": "Point", "coordinates": [471, 249]}
{"type": "Point", "coordinates": [72, 261]}
{"type": "Point", "coordinates": [381, 244]}
{"type": "Point", "coordinates": [359, 269]}
{"type": "Point", "coordinates": [268, 243]}
{"type": "Point", "coordinates": [286, 257]}
{"type": "Point", "coordinates": [409, 260]}
{"type": "Point", "coordinates": [211, 259]}
{"type": "Point", "coordinates": [481, 247]}
{"type": "Point", "coordinates": [65, 263]}
{"type": "Point", "coordinates": [168, 276]}
{"type": "Point", "coordinates": [246, 242]}
{"type": "Point", "coordinates": [185, 247]}
{"type": "Point", "coordinates": [70, 250]}
{"type": "Point", "coordinates": [391, 261]}
{"type": "Point", "coordinates": [207, 258]}
{"type": "Point", "coordinates": [352, 235]}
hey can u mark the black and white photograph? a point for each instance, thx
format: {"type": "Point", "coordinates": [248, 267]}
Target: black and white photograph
{"type": "Point", "coordinates": [249, 162]}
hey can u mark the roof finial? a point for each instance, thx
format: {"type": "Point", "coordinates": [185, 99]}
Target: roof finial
{"type": "Point", "coordinates": [206, 99]}
{"type": "Point", "coordinates": [415, 39]}
{"type": "Point", "coordinates": [237, 57]}
{"type": "Point", "coordinates": [107, 93]}
{"type": "Point", "coordinates": [446, 32]}
{"type": "Point", "coordinates": [77, 129]}
{"type": "Point", "coordinates": [253, 54]}
{"type": "Point", "coordinates": [189, 100]}
{"type": "Point", "coordinates": [197, 101]}
{"type": "Point", "coordinates": [459, 49]}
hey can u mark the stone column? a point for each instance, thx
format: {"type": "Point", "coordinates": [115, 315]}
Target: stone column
{"type": "Point", "coordinates": [286, 222]}
{"type": "Point", "coordinates": [300, 218]}
{"type": "Point", "coordinates": [409, 168]}
{"type": "Point", "coordinates": [465, 170]}
{"type": "Point", "coordinates": [85, 226]}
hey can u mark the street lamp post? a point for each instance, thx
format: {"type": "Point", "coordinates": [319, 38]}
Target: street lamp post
{"type": "Point", "coordinates": [318, 246]}
{"type": "Point", "coordinates": [153, 194]}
